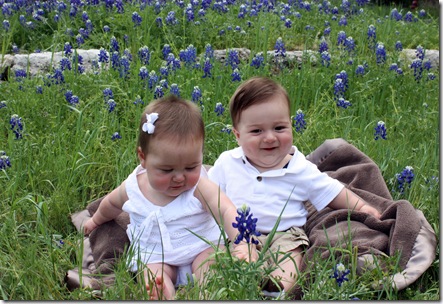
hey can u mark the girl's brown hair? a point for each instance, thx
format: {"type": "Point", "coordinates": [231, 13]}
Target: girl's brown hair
{"type": "Point", "coordinates": [254, 91]}
{"type": "Point", "coordinates": [178, 120]}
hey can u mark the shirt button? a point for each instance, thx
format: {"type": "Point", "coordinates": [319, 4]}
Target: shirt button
{"type": "Point", "coordinates": [259, 178]}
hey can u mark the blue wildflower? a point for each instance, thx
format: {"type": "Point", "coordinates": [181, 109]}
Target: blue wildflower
{"type": "Point", "coordinates": [299, 121]}
{"type": "Point", "coordinates": [420, 52]}
{"type": "Point", "coordinates": [398, 46]}
{"type": "Point", "coordinates": [288, 23]}
{"type": "Point", "coordinates": [115, 60]}
{"type": "Point", "coordinates": [431, 76]}
{"type": "Point", "coordinates": [108, 94]}
{"type": "Point", "coordinates": [16, 124]}
{"type": "Point", "coordinates": [219, 109]}
{"type": "Point", "coordinates": [341, 38]}
{"type": "Point", "coordinates": [340, 273]}
{"type": "Point", "coordinates": [171, 19]}
{"type": "Point", "coordinates": [372, 36]}
{"type": "Point", "coordinates": [393, 67]}
{"type": "Point", "coordinates": [246, 226]}
{"type": "Point", "coordinates": [65, 63]}
{"type": "Point", "coordinates": [166, 50]}
{"type": "Point", "coordinates": [417, 65]}
{"type": "Point", "coordinates": [144, 54]}
{"type": "Point", "coordinates": [380, 53]}
{"type": "Point", "coordinates": [111, 105]}
{"type": "Point", "coordinates": [235, 76]}
{"type": "Point", "coordinates": [327, 31]}
{"type": "Point", "coordinates": [189, 56]}
{"type": "Point", "coordinates": [325, 58]}
{"type": "Point", "coordinates": [279, 48]}
{"type": "Point", "coordinates": [258, 60]}
{"type": "Point", "coordinates": [172, 63]}
{"type": "Point", "coordinates": [405, 178]}
{"type": "Point", "coordinates": [422, 13]}
{"type": "Point", "coordinates": [106, 29]}
{"type": "Point", "coordinates": [323, 46]}
{"type": "Point", "coordinates": [339, 88]}
{"type": "Point", "coordinates": [233, 59]}
{"type": "Point", "coordinates": [136, 19]}
{"type": "Point", "coordinates": [227, 129]}
{"type": "Point", "coordinates": [153, 79]}
{"type": "Point", "coordinates": [114, 46]}
{"type": "Point", "coordinates": [175, 90]}
{"type": "Point", "coordinates": [124, 66]}
{"type": "Point", "coordinates": [116, 136]}
{"type": "Point", "coordinates": [380, 131]}
{"type": "Point", "coordinates": [360, 70]}
{"type": "Point", "coordinates": [38, 90]}
{"type": "Point", "coordinates": [196, 94]}
{"type": "Point", "coordinates": [20, 74]}
{"type": "Point", "coordinates": [4, 161]}
{"type": "Point", "coordinates": [343, 103]}
{"type": "Point", "coordinates": [158, 92]}
{"type": "Point", "coordinates": [207, 67]}
{"type": "Point", "coordinates": [399, 71]}
{"type": "Point", "coordinates": [408, 17]}
{"type": "Point", "coordinates": [349, 44]}
{"type": "Point", "coordinates": [143, 73]}
{"type": "Point", "coordinates": [103, 56]}
{"type": "Point", "coordinates": [343, 21]}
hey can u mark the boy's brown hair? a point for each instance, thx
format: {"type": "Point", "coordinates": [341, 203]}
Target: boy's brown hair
{"type": "Point", "coordinates": [178, 120]}
{"type": "Point", "coordinates": [251, 92]}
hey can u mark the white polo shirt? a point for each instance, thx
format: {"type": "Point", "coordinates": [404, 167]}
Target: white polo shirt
{"type": "Point", "coordinates": [266, 193]}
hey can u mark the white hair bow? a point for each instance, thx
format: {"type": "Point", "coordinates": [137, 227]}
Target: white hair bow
{"type": "Point", "coordinates": [148, 126]}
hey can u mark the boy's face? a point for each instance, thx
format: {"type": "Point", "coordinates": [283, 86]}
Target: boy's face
{"type": "Point", "coordinates": [172, 169]}
{"type": "Point", "coordinates": [264, 131]}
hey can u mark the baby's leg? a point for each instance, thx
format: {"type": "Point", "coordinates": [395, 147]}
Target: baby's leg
{"type": "Point", "coordinates": [287, 270]}
{"type": "Point", "coordinates": [202, 262]}
{"type": "Point", "coordinates": [160, 280]}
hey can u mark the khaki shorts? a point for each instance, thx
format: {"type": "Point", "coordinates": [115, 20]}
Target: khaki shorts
{"type": "Point", "coordinates": [285, 241]}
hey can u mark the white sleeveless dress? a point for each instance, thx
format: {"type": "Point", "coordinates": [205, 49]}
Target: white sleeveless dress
{"type": "Point", "coordinates": [170, 234]}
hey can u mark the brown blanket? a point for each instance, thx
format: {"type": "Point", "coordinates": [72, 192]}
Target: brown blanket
{"type": "Point", "coordinates": [401, 230]}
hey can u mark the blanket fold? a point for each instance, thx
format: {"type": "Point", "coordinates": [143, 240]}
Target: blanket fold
{"type": "Point", "coordinates": [401, 229]}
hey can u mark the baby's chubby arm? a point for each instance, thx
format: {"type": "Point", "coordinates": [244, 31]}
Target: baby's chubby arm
{"type": "Point", "coordinates": [216, 202]}
{"type": "Point", "coordinates": [347, 199]}
{"type": "Point", "coordinates": [110, 207]}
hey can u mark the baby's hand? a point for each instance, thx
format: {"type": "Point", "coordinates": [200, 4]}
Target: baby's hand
{"type": "Point", "coordinates": [89, 226]}
{"type": "Point", "coordinates": [245, 252]}
{"type": "Point", "coordinates": [370, 210]}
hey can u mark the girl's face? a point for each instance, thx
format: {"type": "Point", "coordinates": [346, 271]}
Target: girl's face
{"type": "Point", "coordinates": [264, 131]}
{"type": "Point", "coordinates": [172, 168]}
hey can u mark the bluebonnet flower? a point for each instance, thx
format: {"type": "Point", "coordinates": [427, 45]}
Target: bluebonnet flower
{"type": "Point", "coordinates": [108, 94]}
{"type": "Point", "coordinates": [116, 136]}
{"type": "Point", "coordinates": [114, 46]}
{"type": "Point", "coordinates": [398, 46]}
{"type": "Point", "coordinates": [58, 77]}
{"type": "Point", "coordinates": [422, 13]}
{"type": "Point", "coordinates": [20, 74]}
{"type": "Point", "coordinates": [80, 40]}
{"type": "Point", "coordinates": [153, 79]}
{"type": "Point", "coordinates": [360, 70]}
{"type": "Point", "coordinates": [380, 53]}
{"type": "Point", "coordinates": [219, 109]}
{"type": "Point", "coordinates": [67, 49]}
{"type": "Point", "coordinates": [158, 92]}
{"type": "Point", "coordinates": [196, 95]}
{"type": "Point", "coordinates": [288, 23]}
{"type": "Point", "coordinates": [343, 21]}
{"type": "Point", "coordinates": [399, 71]}
{"type": "Point", "coordinates": [323, 46]}
{"type": "Point", "coordinates": [431, 76]}
{"type": "Point", "coordinates": [163, 83]}
{"type": "Point", "coordinates": [405, 178]}
{"type": "Point", "coordinates": [159, 21]}
{"type": "Point", "coordinates": [189, 56]}
{"type": "Point", "coordinates": [16, 124]}
{"type": "Point", "coordinates": [143, 73]}
{"type": "Point", "coordinates": [68, 95]}
{"type": "Point", "coordinates": [372, 36]}
{"type": "Point", "coordinates": [103, 56]}
{"type": "Point", "coordinates": [233, 59]}
{"type": "Point", "coordinates": [340, 273]}
{"type": "Point", "coordinates": [175, 90]}
{"type": "Point", "coordinates": [380, 130]}
{"type": "Point", "coordinates": [207, 67]}
{"type": "Point", "coordinates": [136, 19]}
{"type": "Point", "coordinates": [258, 60]}
{"type": "Point", "coordinates": [172, 63]}
{"type": "Point", "coordinates": [166, 50]}
{"type": "Point", "coordinates": [38, 90]}
{"type": "Point", "coordinates": [124, 66]}
{"type": "Point", "coordinates": [144, 54]}
{"type": "Point", "coordinates": [396, 15]}
{"type": "Point", "coordinates": [341, 38]}
{"type": "Point", "coordinates": [339, 88]}
{"type": "Point", "coordinates": [189, 13]}
{"type": "Point", "coordinates": [89, 27]}
{"type": "Point", "coordinates": [56, 18]}
{"type": "Point", "coordinates": [246, 226]}
{"type": "Point", "coordinates": [420, 52]}
{"type": "Point", "coordinates": [115, 60]}
{"type": "Point", "coordinates": [279, 48]}
{"type": "Point", "coordinates": [65, 63]}
{"type": "Point", "coordinates": [309, 27]}
{"type": "Point", "coordinates": [5, 162]}
{"type": "Point", "coordinates": [209, 51]}
{"type": "Point", "coordinates": [350, 44]}
{"type": "Point", "coordinates": [427, 65]}
{"type": "Point", "coordinates": [227, 129]}
{"type": "Point", "coordinates": [120, 6]}
{"type": "Point", "coordinates": [417, 65]}
{"type": "Point", "coordinates": [299, 121]}
{"type": "Point", "coordinates": [325, 58]}
{"type": "Point", "coordinates": [6, 25]}
{"type": "Point", "coordinates": [2, 104]}
{"type": "Point", "coordinates": [170, 18]}
{"type": "Point", "coordinates": [15, 49]}
{"type": "Point", "coordinates": [74, 100]}
{"type": "Point", "coordinates": [235, 76]}
{"type": "Point", "coordinates": [111, 105]}
{"type": "Point", "coordinates": [327, 31]}
{"type": "Point", "coordinates": [138, 100]}
{"type": "Point", "coordinates": [106, 29]}
{"type": "Point", "coordinates": [343, 103]}
{"type": "Point", "coordinates": [408, 17]}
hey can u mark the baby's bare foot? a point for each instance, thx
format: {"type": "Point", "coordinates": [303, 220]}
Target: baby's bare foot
{"type": "Point", "coordinates": [160, 291]}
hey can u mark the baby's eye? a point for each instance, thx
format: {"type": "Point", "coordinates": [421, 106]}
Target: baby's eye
{"type": "Point", "coordinates": [166, 170]}
{"type": "Point", "coordinates": [279, 128]}
{"type": "Point", "coordinates": [256, 131]}
{"type": "Point", "coordinates": [191, 168]}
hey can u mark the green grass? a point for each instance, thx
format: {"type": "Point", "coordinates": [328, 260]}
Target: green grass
{"type": "Point", "coordinates": [67, 158]}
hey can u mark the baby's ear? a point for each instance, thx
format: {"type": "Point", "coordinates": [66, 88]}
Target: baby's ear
{"type": "Point", "coordinates": [141, 156]}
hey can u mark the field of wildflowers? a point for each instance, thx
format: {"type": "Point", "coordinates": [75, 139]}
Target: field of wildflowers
{"type": "Point", "coordinates": [68, 136]}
